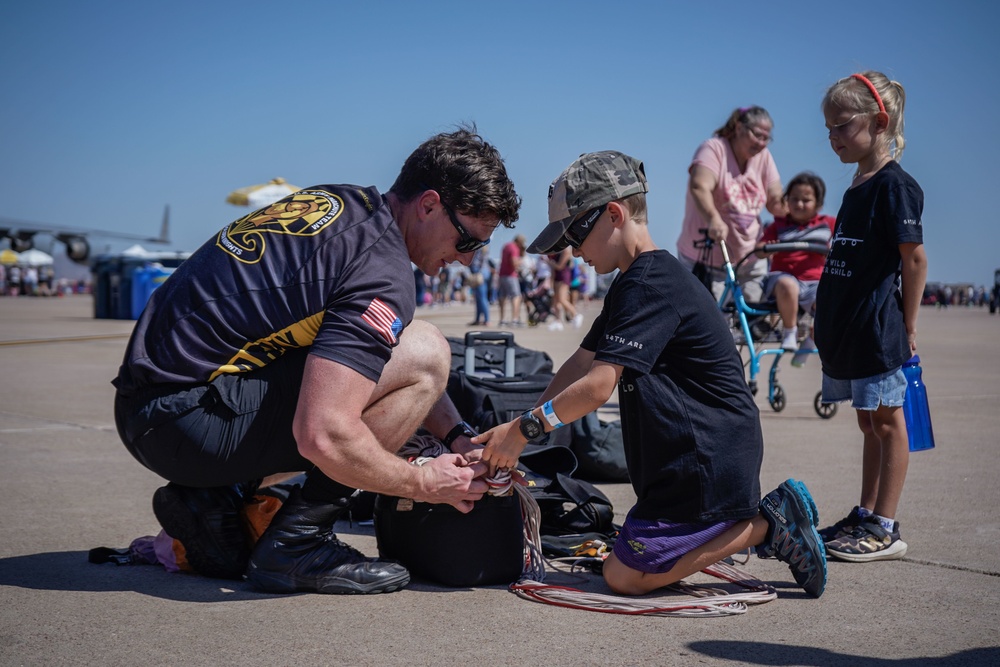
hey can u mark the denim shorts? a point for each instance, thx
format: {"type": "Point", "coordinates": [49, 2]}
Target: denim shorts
{"type": "Point", "coordinates": [807, 289]}
{"type": "Point", "coordinates": [655, 547]}
{"type": "Point", "coordinates": [888, 389]}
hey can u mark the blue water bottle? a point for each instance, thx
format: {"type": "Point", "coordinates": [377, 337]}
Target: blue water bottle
{"type": "Point", "coordinates": [915, 408]}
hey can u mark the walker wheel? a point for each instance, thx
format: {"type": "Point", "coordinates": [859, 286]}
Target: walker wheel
{"type": "Point", "coordinates": [824, 410]}
{"type": "Point", "coordinates": [777, 399]}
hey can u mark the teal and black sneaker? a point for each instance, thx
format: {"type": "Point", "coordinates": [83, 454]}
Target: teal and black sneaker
{"type": "Point", "coordinates": [792, 538]}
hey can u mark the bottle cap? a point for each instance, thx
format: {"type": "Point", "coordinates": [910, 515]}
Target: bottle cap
{"type": "Point", "coordinates": [913, 361]}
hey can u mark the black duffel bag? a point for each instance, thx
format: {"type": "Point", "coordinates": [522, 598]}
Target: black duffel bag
{"type": "Point", "coordinates": [489, 401]}
{"type": "Point", "coordinates": [490, 350]}
{"type": "Point", "coordinates": [439, 543]}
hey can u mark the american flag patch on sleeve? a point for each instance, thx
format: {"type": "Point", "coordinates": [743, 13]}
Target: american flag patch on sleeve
{"type": "Point", "coordinates": [382, 318]}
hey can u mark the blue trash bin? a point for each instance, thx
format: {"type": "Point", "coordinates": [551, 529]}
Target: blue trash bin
{"type": "Point", "coordinates": [145, 279]}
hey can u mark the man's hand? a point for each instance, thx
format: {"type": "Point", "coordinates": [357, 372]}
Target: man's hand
{"type": "Point", "coordinates": [452, 480]}
{"type": "Point", "coordinates": [473, 454]}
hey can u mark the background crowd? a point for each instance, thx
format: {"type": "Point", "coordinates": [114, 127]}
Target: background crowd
{"type": "Point", "coordinates": [550, 289]}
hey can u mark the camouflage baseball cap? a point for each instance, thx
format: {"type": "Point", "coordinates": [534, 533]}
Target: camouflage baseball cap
{"type": "Point", "coordinates": [593, 179]}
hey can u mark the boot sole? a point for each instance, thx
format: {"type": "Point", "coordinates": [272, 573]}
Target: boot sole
{"type": "Point", "coordinates": [271, 583]}
{"type": "Point", "coordinates": [180, 523]}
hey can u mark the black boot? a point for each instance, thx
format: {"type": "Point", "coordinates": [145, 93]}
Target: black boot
{"type": "Point", "coordinates": [299, 552]}
{"type": "Point", "coordinates": [207, 522]}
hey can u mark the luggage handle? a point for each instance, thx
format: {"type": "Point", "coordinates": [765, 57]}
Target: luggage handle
{"type": "Point", "coordinates": [492, 336]}
{"type": "Point", "coordinates": [505, 337]}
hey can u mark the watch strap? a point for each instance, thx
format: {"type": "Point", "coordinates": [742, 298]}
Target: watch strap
{"type": "Point", "coordinates": [461, 428]}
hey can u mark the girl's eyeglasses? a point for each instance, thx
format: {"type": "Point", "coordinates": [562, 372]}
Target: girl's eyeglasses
{"type": "Point", "coordinates": [840, 126]}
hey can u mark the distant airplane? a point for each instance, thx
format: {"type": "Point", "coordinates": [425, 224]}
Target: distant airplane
{"type": "Point", "coordinates": [22, 236]}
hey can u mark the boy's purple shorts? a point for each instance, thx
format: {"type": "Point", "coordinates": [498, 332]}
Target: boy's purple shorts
{"type": "Point", "coordinates": [655, 546]}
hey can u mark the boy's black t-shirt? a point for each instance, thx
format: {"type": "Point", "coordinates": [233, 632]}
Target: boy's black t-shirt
{"type": "Point", "coordinates": [859, 312]}
{"type": "Point", "coordinates": [319, 270]}
{"type": "Point", "coordinates": [692, 431]}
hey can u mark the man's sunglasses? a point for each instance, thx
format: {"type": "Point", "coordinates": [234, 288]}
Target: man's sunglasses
{"type": "Point", "coordinates": [466, 242]}
{"type": "Point", "coordinates": [578, 231]}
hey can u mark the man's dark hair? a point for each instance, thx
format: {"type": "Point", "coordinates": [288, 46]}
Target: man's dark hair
{"type": "Point", "coordinates": [467, 172]}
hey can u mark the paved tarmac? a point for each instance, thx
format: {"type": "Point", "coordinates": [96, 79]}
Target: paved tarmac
{"type": "Point", "coordinates": [68, 485]}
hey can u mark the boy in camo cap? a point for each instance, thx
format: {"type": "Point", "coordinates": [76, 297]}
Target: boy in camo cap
{"type": "Point", "coordinates": [692, 432]}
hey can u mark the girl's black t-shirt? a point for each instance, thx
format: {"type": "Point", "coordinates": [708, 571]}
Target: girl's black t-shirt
{"type": "Point", "coordinates": [859, 313]}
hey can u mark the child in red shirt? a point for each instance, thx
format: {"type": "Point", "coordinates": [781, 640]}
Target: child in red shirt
{"type": "Point", "coordinates": [795, 274]}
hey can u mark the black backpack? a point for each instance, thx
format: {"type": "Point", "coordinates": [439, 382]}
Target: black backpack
{"type": "Point", "coordinates": [570, 506]}
{"type": "Point", "coordinates": [599, 449]}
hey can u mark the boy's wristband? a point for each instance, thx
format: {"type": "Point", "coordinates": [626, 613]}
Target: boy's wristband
{"type": "Point", "coordinates": [550, 415]}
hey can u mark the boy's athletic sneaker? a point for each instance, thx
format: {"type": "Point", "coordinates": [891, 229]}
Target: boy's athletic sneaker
{"type": "Point", "coordinates": [791, 536]}
{"type": "Point", "coordinates": [843, 527]}
{"type": "Point", "coordinates": [869, 541]}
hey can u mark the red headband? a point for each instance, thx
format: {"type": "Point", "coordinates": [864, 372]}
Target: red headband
{"type": "Point", "coordinates": [871, 86]}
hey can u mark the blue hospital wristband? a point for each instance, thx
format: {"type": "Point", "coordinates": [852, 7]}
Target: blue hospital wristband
{"type": "Point", "coordinates": [550, 415]}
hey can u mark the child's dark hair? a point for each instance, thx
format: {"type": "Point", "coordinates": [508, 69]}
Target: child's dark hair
{"type": "Point", "coordinates": [749, 116]}
{"type": "Point", "coordinates": [813, 181]}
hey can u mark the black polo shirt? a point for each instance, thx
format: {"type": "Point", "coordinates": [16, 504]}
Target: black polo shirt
{"type": "Point", "coordinates": [322, 269]}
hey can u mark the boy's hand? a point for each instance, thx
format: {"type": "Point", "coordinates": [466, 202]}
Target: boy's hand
{"type": "Point", "coordinates": [504, 444]}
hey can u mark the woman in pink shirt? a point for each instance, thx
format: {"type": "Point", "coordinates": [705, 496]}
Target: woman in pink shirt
{"type": "Point", "coordinates": [732, 178]}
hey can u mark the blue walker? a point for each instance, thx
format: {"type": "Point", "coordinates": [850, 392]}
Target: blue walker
{"type": "Point", "coordinates": [750, 325]}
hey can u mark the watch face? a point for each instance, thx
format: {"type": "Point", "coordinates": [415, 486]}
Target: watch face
{"type": "Point", "coordinates": [530, 427]}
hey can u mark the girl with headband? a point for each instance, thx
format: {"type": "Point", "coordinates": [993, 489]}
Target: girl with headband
{"type": "Point", "coordinates": [867, 302]}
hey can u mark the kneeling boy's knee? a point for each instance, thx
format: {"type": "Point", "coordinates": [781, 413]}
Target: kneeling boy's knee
{"type": "Point", "coordinates": [621, 579]}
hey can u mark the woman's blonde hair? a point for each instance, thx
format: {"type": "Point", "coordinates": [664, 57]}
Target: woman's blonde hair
{"type": "Point", "coordinates": [853, 94]}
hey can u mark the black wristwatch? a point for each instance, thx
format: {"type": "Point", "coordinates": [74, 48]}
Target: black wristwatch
{"type": "Point", "coordinates": [461, 428]}
{"type": "Point", "coordinates": [531, 426]}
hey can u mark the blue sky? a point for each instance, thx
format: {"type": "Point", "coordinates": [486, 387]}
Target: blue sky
{"type": "Point", "coordinates": [113, 109]}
